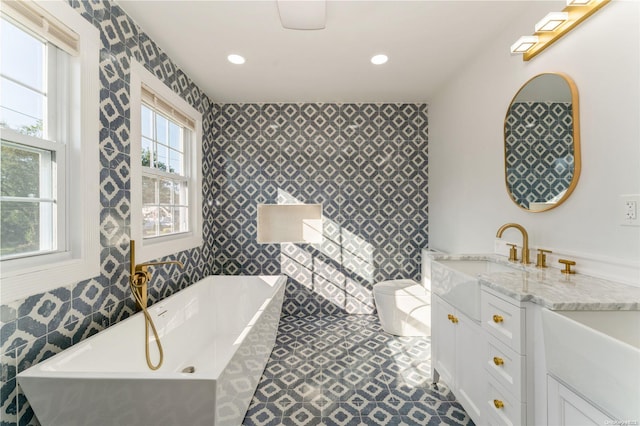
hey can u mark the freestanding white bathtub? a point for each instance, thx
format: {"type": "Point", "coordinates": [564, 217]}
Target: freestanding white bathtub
{"type": "Point", "coordinates": [222, 326]}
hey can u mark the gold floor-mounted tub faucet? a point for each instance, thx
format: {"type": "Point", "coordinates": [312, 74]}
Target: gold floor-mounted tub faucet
{"type": "Point", "coordinates": [138, 280]}
{"type": "Point", "coordinates": [525, 239]}
{"type": "Point", "coordinates": [140, 275]}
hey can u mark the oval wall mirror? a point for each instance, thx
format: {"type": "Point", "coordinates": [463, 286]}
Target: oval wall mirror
{"type": "Point", "coordinates": [542, 142]}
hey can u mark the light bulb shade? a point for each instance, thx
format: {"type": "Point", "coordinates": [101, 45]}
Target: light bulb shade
{"type": "Point", "coordinates": [551, 22]}
{"type": "Point", "coordinates": [523, 44]}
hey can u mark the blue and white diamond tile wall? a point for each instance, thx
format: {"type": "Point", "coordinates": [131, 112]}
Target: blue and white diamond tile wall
{"type": "Point", "coordinates": [539, 150]}
{"type": "Point", "coordinates": [366, 163]}
{"type": "Point", "coordinates": [42, 325]}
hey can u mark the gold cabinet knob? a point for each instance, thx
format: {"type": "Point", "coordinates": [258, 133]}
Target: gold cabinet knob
{"type": "Point", "coordinates": [498, 361]}
{"type": "Point", "coordinates": [450, 317]}
{"type": "Point", "coordinates": [567, 266]}
{"type": "Point", "coordinates": [498, 404]}
{"type": "Point", "coordinates": [497, 318]}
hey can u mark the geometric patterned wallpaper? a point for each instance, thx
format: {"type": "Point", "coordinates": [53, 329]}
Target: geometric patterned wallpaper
{"type": "Point", "coordinates": [539, 150]}
{"type": "Point", "coordinates": [41, 325]}
{"type": "Point", "coordinates": [366, 164]}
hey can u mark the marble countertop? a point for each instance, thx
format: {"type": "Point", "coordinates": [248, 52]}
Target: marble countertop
{"type": "Point", "coordinates": [552, 289]}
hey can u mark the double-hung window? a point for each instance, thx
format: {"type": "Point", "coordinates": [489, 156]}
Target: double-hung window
{"type": "Point", "coordinates": [165, 143]}
{"type": "Point", "coordinates": [33, 105]}
{"type": "Point", "coordinates": [49, 217]}
{"type": "Point", "coordinates": [166, 166]}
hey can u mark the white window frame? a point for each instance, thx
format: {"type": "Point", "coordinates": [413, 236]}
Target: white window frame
{"type": "Point", "coordinates": [80, 260]}
{"type": "Point", "coordinates": [157, 247]}
{"type": "Point", "coordinates": [187, 129]}
{"type": "Point", "coordinates": [56, 122]}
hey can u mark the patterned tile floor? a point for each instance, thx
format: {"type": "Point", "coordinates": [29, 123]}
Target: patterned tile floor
{"type": "Point", "coordinates": [345, 370]}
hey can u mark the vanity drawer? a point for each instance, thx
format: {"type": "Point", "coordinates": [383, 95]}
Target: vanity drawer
{"type": "Point", "coordinates": [502, 407]}
{"type": "Point", "coordinates": [506, 366]}
{"type": "Point", "coordinates": [503, 320]}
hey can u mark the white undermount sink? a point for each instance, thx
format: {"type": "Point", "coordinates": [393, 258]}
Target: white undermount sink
{"type": "Point", "coordinates": [456, 281]}
{"type": "Point", "coordinates": [597, 353]}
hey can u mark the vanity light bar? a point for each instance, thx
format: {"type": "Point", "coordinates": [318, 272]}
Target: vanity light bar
{"type": "Point", "coordinates": [555, 25]}
{"type": "Point", "coordinates": [551, 22]}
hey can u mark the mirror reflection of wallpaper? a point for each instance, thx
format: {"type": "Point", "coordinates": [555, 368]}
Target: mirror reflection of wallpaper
{"type": "Point", "coordinates": [539, 150]}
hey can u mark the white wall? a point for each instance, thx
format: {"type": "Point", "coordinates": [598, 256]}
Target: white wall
{"type": "Point", "coordinates": [468, 201]}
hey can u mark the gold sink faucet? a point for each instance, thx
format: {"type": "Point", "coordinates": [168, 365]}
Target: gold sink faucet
{"type": "Point", "coordinates": [140, 275]}
{"type": "Point", "coordinates": [525, 239]}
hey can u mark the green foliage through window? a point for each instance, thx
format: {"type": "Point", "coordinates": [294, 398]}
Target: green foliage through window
{"type": "Point", "coordinates": [20, 177]}
{"type": "Point", "coordinates": [146, 161]}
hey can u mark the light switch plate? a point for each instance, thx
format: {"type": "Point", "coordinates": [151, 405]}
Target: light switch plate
{"type": "Point", "coordinates": [629, 210]}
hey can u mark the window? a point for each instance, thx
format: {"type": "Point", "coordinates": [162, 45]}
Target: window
{"type": "Point", "coordinates": [165, 182]}
{"type": "Point", "coordinates": [166, 167]}
{"type": "Point", "coordinates": [49, 185]}
{"type": "Point", "coordinates": [32, 163]}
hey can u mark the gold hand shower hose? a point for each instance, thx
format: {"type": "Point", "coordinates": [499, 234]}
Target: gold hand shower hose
{"type": "Point", "coordinates": [137, 282]}
{"type": "Point", "coordinates": [138, 279]}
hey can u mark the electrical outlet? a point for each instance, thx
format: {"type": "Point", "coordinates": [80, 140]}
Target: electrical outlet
{"type": "Point", "coordinates": [629, 210]}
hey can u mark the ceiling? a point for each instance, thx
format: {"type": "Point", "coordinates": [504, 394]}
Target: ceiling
{"type": "Point", "coordinates": [426, 41]}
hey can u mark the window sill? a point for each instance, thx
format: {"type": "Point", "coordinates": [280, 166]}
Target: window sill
{"type": "Point", "coordinates": [26, 282]}
{"type": "Point", "coordinates": [156, 248]}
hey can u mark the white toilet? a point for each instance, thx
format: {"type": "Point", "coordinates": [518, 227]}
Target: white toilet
{"type": "Point", "coordinates": [404, 307]}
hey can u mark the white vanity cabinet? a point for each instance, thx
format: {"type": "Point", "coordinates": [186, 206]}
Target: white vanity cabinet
{"type": "Point", "coordinates": [456, 342]}
{"type": "Point", "coordinates": [504, 360]}
{"type": "Point", "coordinates": [524, 346]}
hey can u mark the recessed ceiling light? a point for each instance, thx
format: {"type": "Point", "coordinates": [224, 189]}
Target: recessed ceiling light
{"type": "Point", "coordinates": [236, 59]}
{"type": "Point", "coordinates": [379, 59]}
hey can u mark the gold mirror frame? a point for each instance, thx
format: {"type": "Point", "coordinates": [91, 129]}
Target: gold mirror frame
{"type": "Point", "coordinates": [576, 142]}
